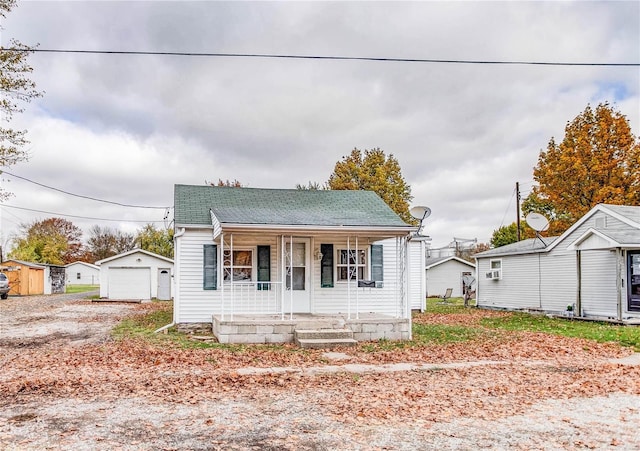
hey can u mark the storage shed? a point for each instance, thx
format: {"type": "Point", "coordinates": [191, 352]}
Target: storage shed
{"type": "Point", "coordinates": [448, 272]}
{"type": "Point", "coordinates": [136, 274]}
{"type": "Point", "coordinates": [25, 278]}
{"type": "Point", "coordinates": [82, 273]}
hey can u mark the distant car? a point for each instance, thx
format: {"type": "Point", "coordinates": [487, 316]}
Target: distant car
{"type": "Point", "coordinates": [4, 286]}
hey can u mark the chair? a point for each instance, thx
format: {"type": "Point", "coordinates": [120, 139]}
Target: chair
{"type": "Point", "coordinates": [446, 296]}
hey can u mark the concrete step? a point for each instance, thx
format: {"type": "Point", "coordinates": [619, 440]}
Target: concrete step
{"type": "Point", "coordinates": [324, 338]}
{"type": "Point", "coordinates": [321, 343]}
{"type": "Point", "coordinates": [323, 333]}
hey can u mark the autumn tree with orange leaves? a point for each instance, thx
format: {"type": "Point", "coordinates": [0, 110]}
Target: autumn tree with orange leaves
{"type": "Point", "coordinates": [598, 161]}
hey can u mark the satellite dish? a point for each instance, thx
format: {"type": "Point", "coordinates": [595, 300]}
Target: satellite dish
{"type": "Point", "coordinates": [537, 222]}
{"type": "Point", "coordinates": [420, 213]}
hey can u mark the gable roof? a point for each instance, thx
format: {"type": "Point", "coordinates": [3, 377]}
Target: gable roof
{"type": "Point", "coordinates": [134, 251]}
{"type": "Point", "coordinates": [197, 204]}
{"type": "Point", "coordinates": [430, 262]}
{"type": "Point", "coordinates": [89, 265]}
{"type": "Point", "coordinates": [628, 214]}
{"type": "Point", "coordinates": [528, 246]}
{"type": "Point", "coordinates": [25, 263]}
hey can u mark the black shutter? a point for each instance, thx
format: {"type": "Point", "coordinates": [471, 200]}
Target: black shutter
{"type": "Point", "coordinates": [210, 274]}
{"type": "Point", "coordinates": [264, 267]}
{"type": "Point", "coordinates": [377, 269]}
{"type": "Point", "coordinates": [326, 266]}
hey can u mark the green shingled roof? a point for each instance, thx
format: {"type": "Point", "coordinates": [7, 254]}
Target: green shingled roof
{"type": "Point", "coordinates": [281, 207]}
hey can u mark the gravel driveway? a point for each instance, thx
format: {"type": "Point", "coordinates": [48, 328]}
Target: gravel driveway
{"type": "Point", "coordinates": [68, 398]}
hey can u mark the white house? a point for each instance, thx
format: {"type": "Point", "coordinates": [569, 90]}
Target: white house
{"type": "Point", "coordinates": [136, 274]}
{"type": "Point", "coordinates": [448, 272]}
{"type": "Point", "coordinates": [256, 264]}
{"type": "Point", "coordinates": [81, 273]}
{"type": "Point", "coordinates": [594, 267]}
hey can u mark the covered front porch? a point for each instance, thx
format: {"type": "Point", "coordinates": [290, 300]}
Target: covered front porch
{"type": "Point", "coordinates": [276, 329]}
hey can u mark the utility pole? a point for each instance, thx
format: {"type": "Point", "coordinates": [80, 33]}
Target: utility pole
{"type": "Point", "coordinates": [518, 208]}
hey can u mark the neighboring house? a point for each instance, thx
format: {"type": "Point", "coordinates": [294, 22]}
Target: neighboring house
{"type": "Point", "coordinates": [81, 273]}
{"type": "Point", "coordinates": [28, 278]}
{"type": "Point", "coordinates": [261, 263]}
{"type": "Point", "coordinates": [449, 272]}
{"type": "Point", "coordinates": [594, 267]}
{"type": "Point", "coordinates": [136, 274]}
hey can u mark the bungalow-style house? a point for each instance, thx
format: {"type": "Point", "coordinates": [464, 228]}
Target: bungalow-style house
{"type": "Point", "coordinates": [136, 275]}
{"type": "Point", "coordinates": [449, 272]}
{"type": "Point", "coordinates": [82, 273]}
{"type": "Point", "coordinates": [591, 270]}
{"type": "Point", "coordinates": [258, 265]}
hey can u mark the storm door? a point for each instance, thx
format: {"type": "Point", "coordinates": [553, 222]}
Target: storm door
{"type": "Point", "coordinates": [297, 277]}
{"type": "Point", "coordinates": [633, 280]}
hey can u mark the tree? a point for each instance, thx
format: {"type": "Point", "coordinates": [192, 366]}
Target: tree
{"type": "Point", "coordinates": [509, 234]}
{"type": "Point", "coordinates": [233, 184]}
{"type": "Point", "coordinates": [105, 242]}
{"type": "Point", "coordinates": [158, 241]}
{"type": "Point", "coordinates": [374, 171]}
{"type": "Point", "coordinates": [16, 88]}
{"type": "Point", "coordinates": [311, 186]}
{"type": "Point", "coordinates": [598, 161]}
{"type": "Point", "coordinates": [54, 241]}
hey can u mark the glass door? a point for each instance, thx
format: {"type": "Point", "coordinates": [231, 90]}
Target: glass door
{"type": "Point", "coordinates": [633, 280]}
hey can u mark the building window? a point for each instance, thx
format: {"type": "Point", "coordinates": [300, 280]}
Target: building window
{"type": "Point", "coordinates": [78, 276]}
{"type": "Point", "coordinates": [350, 261]}
{"type": "Point", "coordinates": [210, 267]}
{"type": "Point", "coordinates": [495, 272]}
{"type": "Point", "coordinates": [242, 265]}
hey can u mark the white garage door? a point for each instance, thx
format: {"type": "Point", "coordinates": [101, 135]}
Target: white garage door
{"type": "Point", "coordinates": [129, 283]}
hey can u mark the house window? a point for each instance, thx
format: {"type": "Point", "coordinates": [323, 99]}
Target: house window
{"type": "Point", "coordinates": [350, 261]}
{"type": "Point", "coordinates": [210, 267]}
{"type": "Point", "coordinates": [242, 265]}
{"type": "Point", "coordinates": [78, 276]}
{"type": "Point", "coordinates": [495, 272]}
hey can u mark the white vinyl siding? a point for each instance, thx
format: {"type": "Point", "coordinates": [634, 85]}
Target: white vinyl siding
{"type": "Point", "coordinates": [448, 274]}
{"type": "Point", "coordinates": [194, 304]}
{"type": "Point", "coordinates": [417, 289]}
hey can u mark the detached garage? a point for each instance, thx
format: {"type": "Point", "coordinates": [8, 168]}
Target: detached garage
{"type": "Point", "coordinates": [136, 274]}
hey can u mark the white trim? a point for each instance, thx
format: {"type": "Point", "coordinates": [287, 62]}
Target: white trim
{"type": "Point", "coordinates": [447, 259]}
{"type": "Point", "coordinates": [576, 244]}
{"type": "Point", "coordinates": [133, 251]}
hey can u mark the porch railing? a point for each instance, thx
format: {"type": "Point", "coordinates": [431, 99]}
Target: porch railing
{"type": "Point", "coordinates": [255, 298]}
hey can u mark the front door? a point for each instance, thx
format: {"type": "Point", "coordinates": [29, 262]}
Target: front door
{"type": "Point", "coordinates": [297, 276]}
{"type": "Point", "coordinates": [633, 280]}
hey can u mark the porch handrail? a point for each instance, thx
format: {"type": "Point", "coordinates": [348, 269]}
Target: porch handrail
{"type": "Point", "coordinates": [253, 297]}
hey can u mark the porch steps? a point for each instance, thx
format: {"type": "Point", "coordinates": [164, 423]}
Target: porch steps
{"type": "Point", "coordinates": [324, 338]}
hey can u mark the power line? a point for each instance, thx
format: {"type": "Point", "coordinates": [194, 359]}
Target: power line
{"type": "Point", "coordinates": [328, 57]}
{"type": "Point", "coordinates": [78, 217]}
{"type": "Point", "coordinates": [82, 196]}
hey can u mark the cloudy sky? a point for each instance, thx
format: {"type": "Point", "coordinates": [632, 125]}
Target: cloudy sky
{"type": "Point", "coordinates": [126, 128]}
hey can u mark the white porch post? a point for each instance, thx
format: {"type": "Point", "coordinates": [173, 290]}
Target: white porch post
{"type": "Point", "coordinates": [290, 277]}
{"type": "Point", "coordinates": [221, 272]}
{"type": "Point", "coordinates": [230, 275]}
{"type": "Point", "coordinates": [348, 277]}
{"type": "Point", "coordinates": [283, 276]}
{"type": "Point", "coordinates": [357, 279]}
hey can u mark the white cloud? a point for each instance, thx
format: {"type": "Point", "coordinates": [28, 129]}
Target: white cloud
{"type": "Point", "coordinates": [126, 128]}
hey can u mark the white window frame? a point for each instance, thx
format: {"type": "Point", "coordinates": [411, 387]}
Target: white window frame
{"type": "Point", "coordinates": [365, 266]}
{"type": "Point", "coordinates": [226, 268]}
{"type": "Point", "coordinates": [495, 269]}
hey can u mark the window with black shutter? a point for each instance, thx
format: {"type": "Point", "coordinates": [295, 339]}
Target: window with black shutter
{"type": "Point", "coordinates": [377, 268]}
{"type": "Point", "coordinates": [210, 272]}
{"type": "Point", "coordinates": [326, 266]}
{"type": "Point", "coordinates": [264, 267]}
